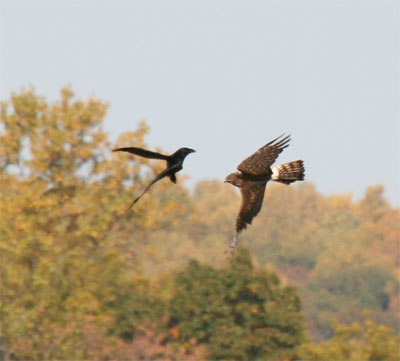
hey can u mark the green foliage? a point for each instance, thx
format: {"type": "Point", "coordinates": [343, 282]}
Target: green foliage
{"type": "Point", "coordinates": [67, 245]}
{"type": "Point", "coordinates": [364, 285]}
{"type": "Point", "coordinates": [344, 292]}
{"type": "Point", "coordinates": [81, 278]}
{"type": "Point", "coordinates": [365, 341]}
{"type": "Point", "coordinates": [342, 255]}
{"type": "Point", "coordinates": [240, 313]}
{"type": "Point", "coordinates": [290, 215]}
{"type": "Point", "coordinates": [135, 305]}
{"type": "Point", "coordinates": [373, 206]}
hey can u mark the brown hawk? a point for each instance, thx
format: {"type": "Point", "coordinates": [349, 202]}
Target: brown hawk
{"type": "Point", "coordinates": [254, 173]}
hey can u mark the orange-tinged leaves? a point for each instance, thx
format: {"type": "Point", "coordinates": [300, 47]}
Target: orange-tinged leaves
{"type": "Point", "coordinates": [174, 332]}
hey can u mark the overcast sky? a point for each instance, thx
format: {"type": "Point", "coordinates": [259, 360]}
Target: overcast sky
{"type": "Point", "coordinates": [225, 77]}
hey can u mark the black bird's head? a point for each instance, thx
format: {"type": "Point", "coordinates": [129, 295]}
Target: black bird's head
{"type": "Point", "coordinates": [234, 179]}
{"type": "Point", "coordinates": [184, 151]}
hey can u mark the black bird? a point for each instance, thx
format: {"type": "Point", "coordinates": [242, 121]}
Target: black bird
{"type": "Point", "coordinates": [174, 163]}
{"type": "Point", "coordinates": [254, 173]}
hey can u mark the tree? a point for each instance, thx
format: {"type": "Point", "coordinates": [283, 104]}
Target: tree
{"type": "Point", "coordinates": [358, 341]}
{"type": "Point", "coordinates": [237, 312]}
{"type": "Point", "coordinates": [81, 278]}
{"type": "Point", "coordinates": [68, 246]}
{"type": "Point", "coordinates": [373, 205]}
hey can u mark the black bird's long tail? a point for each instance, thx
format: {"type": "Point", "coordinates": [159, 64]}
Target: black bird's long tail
{"type": "Point", "coordinates": [140, 196]}
{"type": "Point", "coordinates": [166, 172]}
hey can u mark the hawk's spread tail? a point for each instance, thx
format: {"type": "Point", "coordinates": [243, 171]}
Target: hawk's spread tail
{"type": "Point", "coordinates": [289, 172]}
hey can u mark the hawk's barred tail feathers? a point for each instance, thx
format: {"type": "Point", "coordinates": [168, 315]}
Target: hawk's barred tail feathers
{"type": "Point", "coordinates": [289, 172]}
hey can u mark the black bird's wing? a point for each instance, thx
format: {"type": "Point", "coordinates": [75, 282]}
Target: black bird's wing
{"type": "Point", "coordinates": [252, 200]}
{"type": "Point", "coordinates": [167, 172]}
{"type": "Point", "coordinates": [260, 162]}
{"type": "Point", "coordinates": [142, 152]}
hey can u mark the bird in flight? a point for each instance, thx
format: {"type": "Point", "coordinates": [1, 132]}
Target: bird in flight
{"type": "Point", "coordinates": [254, 173]}
{"type": "Point", "coordinates": [174, 163]}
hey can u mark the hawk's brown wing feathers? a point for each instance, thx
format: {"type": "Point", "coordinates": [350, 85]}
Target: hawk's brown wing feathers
{"type": "Point", "coordinates": [260, 162]}
{"type": "Point", "coordinates": [252, 199]}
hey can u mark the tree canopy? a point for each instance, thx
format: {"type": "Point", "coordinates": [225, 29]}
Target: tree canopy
{"type": "Point", "coordinates": [82, 278]}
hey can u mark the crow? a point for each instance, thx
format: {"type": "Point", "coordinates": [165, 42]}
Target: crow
{"type": "Point", "coordinates": [174, 163]}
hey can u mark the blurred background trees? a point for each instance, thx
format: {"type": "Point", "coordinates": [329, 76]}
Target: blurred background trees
{"type": "Point", "coordinates": [359, 341]}
{"type": "Point", "coordinates": [81, 278]}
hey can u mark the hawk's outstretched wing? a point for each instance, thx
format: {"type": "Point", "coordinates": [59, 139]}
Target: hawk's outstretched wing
{"type": "Point", "coordinates": [260, 162]}
{"type": "Point", "coordinates": [252, 199]}
{"type": "Point", "coordinates": [142, 152]}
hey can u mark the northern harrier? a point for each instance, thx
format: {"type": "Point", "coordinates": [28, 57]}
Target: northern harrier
{"type": "Point", "coordinates": [174, 163]}
{"type": "Point", "coordinates": [254, 173]}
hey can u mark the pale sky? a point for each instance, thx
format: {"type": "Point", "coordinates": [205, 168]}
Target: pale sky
{"type": "Point", "coordinates": [226, 77]}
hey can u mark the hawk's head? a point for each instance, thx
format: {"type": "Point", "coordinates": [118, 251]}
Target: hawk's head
{"type": "Point", "coordinates": [234, 179]}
